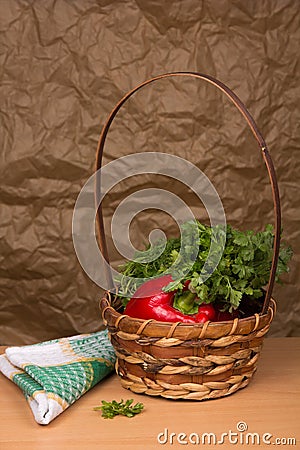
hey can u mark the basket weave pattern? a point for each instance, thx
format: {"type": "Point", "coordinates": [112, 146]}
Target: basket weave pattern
{"type": "Point", "coordinates": [183, 361]}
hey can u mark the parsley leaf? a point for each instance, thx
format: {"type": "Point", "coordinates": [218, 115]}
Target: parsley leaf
{"type": "Point", "coordinates": [114, 408]}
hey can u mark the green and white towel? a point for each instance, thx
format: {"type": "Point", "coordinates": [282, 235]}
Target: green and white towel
{"type": "Point", "coordinates": [54, 374]}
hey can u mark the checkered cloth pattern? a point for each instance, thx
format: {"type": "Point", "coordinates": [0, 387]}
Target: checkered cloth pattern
{"type": "Point", "coordinates": [54, 374]}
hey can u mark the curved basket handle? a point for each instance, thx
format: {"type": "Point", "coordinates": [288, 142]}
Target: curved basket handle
{"type": "Point", "coordinates": [261, 142]}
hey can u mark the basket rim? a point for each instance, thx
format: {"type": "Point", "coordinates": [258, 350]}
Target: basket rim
{"type": "Point", "coordinates": [152, 327]}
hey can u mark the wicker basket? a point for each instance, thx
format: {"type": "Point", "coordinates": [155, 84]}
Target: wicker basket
{"type": "Point", "coordinates": [188, 361]}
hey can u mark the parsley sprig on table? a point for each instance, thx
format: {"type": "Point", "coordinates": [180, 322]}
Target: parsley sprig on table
{"type": "Point", "coordinates": [243, 270]}
{"type": "Point", "coordinates": [114, 408]}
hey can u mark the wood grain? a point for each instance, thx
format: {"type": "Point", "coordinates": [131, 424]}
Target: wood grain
{"type": "Point", "coordinates": [270, 404]}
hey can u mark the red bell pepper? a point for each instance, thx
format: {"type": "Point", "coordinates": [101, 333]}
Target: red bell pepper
{"type": "Point", "coordinates": [223, 316]}
{"type": "Point", "coordinates": [208, 311]}
{"type": "Point", "coordinates": [150, 302]}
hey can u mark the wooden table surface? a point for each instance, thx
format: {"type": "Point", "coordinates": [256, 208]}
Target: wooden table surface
{"type": "Point", "coordinates": [270, 404]}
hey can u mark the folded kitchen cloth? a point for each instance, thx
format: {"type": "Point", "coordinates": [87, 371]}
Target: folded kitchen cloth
{"type": "Point", "coordinates": [54, 374]}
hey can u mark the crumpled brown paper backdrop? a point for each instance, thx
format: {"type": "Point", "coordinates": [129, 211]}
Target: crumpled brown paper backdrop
{"type": "Point", "coordinates": [64, 65]}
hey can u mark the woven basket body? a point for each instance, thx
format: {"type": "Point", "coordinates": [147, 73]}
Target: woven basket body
{"type": "Point", "coordinates": [187, 361]}
{"type": "Point", "coordinates": [183, 361]}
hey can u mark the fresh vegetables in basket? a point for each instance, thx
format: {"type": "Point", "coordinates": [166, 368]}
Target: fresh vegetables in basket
{"type": "Point", "coordinates": [234, 289]}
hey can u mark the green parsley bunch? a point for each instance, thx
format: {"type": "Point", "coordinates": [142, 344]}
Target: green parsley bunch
{"type": "Point", "coordinates": [242, 271]}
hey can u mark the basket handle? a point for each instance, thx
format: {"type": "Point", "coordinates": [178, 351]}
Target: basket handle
{"type": "Point", "coordinates": [261, 142]}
